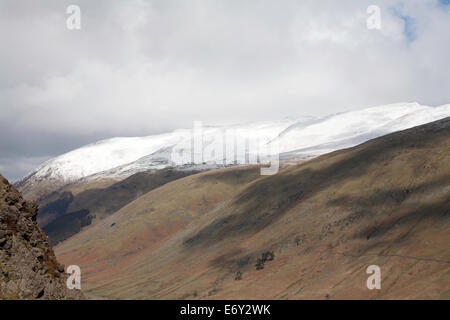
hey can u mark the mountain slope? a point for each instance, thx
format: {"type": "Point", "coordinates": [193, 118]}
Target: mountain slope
{"type": "Point", "coordinates": [308, 232]}
{"type": "Point", "coordinates": [28, 267]}
{"type": "Point", "coordinates": [91, 159]}
{"type": "Point", "coordinates": [69, 213]}
{"type": "Point", "coordinates": [118, 158]}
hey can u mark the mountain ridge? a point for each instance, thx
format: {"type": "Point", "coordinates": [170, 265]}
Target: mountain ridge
{"type": "Point", "coordinates": [118, 158]}
{"type": "Point", "coordinates": [308, 232]}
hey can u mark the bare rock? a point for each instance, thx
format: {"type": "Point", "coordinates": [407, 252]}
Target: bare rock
{"type": "Point", "coordinates": [28, 266]}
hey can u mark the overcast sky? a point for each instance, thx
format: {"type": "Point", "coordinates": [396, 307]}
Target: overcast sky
{"type": "Point", "coordinates": [144, 67]}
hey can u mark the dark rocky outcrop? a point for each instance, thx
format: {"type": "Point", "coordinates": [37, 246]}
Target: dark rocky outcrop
{"type": "Point", "coordinates": [28, 267]}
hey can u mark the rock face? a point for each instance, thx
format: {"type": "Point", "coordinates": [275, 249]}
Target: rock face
{"type": "Point", "coordinates": [28, 267]}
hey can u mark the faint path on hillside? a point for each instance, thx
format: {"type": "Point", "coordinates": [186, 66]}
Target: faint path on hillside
{"type": "Point", "coordinates": [91, 296]}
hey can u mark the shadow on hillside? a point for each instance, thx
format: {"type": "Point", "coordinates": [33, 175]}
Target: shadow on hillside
{"type": "Point", "coordinates": [66, 216]}
{"type": "Point", "coordinates": [411, 216]}
{"type": "Point", "coordinates": [268, 199]}
{"type": "Point", "coordinates": [390, 196]}
{"type": "Point", "coordinates": [394, 197]}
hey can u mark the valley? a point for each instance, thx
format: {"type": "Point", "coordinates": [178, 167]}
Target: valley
{"type": "Point", "coordinates": [308, 232]}
{"type": "Point", "coordinates": [218, 158]}
{"type": "Point", "coordinates": [63, 214]}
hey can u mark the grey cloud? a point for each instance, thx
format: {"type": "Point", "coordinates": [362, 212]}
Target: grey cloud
{"type": "Point", "coordinates": [142, 67]}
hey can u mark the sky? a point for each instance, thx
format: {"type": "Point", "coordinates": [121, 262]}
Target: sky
{"type": "Point", "coordinates": [140, 67]}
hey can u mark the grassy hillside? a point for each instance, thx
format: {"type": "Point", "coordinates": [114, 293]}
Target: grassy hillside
{"type": "Point", "coordinates": [64, 214]}
{"type": "Point", "coordinates": [308, 232]}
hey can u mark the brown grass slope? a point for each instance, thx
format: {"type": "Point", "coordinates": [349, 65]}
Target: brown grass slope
{"type": "Point", "coordinates": [64, 214]}
{"type": "Point", "coordinates": [308, 232]}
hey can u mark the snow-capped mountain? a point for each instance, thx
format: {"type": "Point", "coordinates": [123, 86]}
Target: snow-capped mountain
{"type": "Point", "coordinates": [209, 147]}
{"type": "Point", "coordinates": [348, 129]}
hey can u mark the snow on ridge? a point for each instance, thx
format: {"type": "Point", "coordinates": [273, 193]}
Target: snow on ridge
{"type": "Point", "coordinates": [104, 155]}
{"type": "Point", "coordinates": [118, 158]}
{"type": "Point", "coordinates": [345, 126]}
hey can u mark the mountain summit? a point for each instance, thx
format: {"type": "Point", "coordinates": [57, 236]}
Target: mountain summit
{"type": "Point", "coordinates": [119, 158]}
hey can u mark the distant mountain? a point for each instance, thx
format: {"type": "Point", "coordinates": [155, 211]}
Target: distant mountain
{"type": "Point", "coordinates": [351, 128]}
{"type": "Point", "coordinates": [308, 232]}
{"type": "Point", "coordinates": [118, 158]}
{"type": "Point", "coordinates": [28, 267]}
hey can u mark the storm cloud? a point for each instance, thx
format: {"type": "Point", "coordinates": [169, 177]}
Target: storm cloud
{"type": "Point", "coordinates": [144, 67]}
